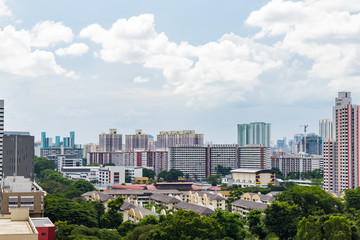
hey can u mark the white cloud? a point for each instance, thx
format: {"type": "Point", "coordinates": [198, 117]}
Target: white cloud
{"type": "Point", "coordinates": [208, 74]}
{"type": "Point", "coordinates": [4, 10]}
{"type": "Point", "coordinates": [17, 56]}
{"type": "Point", "coordinates": [49, 33]}
{"type": "Point", "coordinates": [76, 49]}
{"type": "Point", "coordinates": [139, 79]}
{"type": "Point", "coordinates": [133, 113]}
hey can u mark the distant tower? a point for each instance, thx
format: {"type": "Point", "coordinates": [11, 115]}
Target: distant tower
{"type": "Point", "coordinates": [72, 139]}
{"type": "Point", "coordinates": [341, 155]}
{"type": "Point", "coordinates": [326, 128]}
{"type": "Point", "coordinates": [254, 133]}
{"type": "Point", "coordinates": [110, 142]}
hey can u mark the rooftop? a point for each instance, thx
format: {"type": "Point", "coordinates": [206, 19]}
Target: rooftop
{"type": "Point", "coordinates": [42, 222]}
{"type": "Point", "coordinates": [14, 227]}
{"type": "Point", "coordinates": [193, 207]}
{"type": "Point", "coordinates": [249, 204]}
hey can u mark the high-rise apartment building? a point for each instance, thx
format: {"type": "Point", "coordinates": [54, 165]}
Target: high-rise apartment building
{"type": "Point", "coordinates": [1, 136]}
{"type": "Point", "coordinates": [110, 142]}
{"type": "Point", "coordinates": [341, 155]}
{"type": "Point", "coordinates": [254, 133]}
{"type": "Point", "coordinates": [18, 154]}
{"type": "Point", "coordinates": [313, 144]}
{"type": "Point", "coordinates": [299, 162]}
{"type": "Point", "coordinates": [168, 139]}
{"type": "Point", "coordinates": [254, 156]}
{"type": "Point", "coordinates": [326, 128]}
{"type": "Point", "coordinates": [138, 140]}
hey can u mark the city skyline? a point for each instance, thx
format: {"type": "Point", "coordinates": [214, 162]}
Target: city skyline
{"type": "Point", "coordinates": [172, 66]}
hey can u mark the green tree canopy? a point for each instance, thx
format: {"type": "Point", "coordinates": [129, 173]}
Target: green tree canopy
{"type": "Point", "coordinates": [41, 164]}
{"type": "Point", "coordinates": [352, 198]}
{"type": "Point", "coordinates": [255, 223]}
{"type": "Point", "coordinates": [113, 218]}
{"type": "Point", "coordinates": [309, 229]}
{"type": "Point", "coordinates": [214, 179]}
{"type": "Point", "coordinates": [337, 228]}
{"type": "Point", "coordinates": [148, 173]}
{"type": "Point", "coordinates": [282, 219]}
{"type": "Point", "coordinates": [310, 200]}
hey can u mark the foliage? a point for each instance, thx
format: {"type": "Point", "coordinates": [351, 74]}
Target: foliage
{"type": "Point", "coordinates": [282, 219]}
{"type": "Point", "coordinates": [125, 227]}
{"type": "Point", "coordinates": [222, 171]}
{"type": "Point", "coordinates": [108, 164]}
{"type": "Point", "coordinates": [93, 165]}
{"type": "Point", "coordinates": [231, 225]}
{"type": "Point", "coordinates": [255, 223]}
{"type": "Point", "coordinates": [310, 200]}
{"type": "Point", "coordinates": [352, 197]}
{"type": "Point", "coordinates": [309, 229]}
{"type": "Point", "coordinates": [148, 173]}
{"type": "Point", "coordinates": [214, 180]}
{"type": "Point", "coordinates": [337, 228]}
{"type": "Point", "coordinates": [186, 225]}
{"type": "Point", "coordinates": [41, 164]}
{"type": "Point", "coordinates": [63, 209]}
{"type": "Point", "coordinates": [292, 175]}
{"type": "Point", "coordinates": [72, 232]}
{"type": "Point", "coordinates": [171, 176]}
{"type": "Point", "coordinates": [278, 173]}
{"type": "Point", "coordinates": [113, 218]}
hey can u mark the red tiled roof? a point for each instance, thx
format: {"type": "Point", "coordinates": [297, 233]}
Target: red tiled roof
{"type": "Point", "coordinates": [214, 188]}
{"type": "Point", "coordinates": [196, 188]}
{"type": "Point", "coordinates": [151, 187]}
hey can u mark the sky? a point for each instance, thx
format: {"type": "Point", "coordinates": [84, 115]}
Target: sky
{"type": "Point", "coordinates": [158, 65]}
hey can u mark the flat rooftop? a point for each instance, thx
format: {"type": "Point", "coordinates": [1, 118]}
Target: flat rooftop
{"type": "Point", "coordinates": [14, 227]}
{"type": "Point", "coordinates": [42, 222]}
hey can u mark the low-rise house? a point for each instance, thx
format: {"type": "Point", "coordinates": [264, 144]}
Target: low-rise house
{"type": "Point", "coordinates": [247, 177]}
{"type": "Point", "coordinates": [257, 197]}
{"type": "Point", "coordinates": [201, 210]}
{"type": "Point", "coordinates": [133, 213]}
{"type": "Point", "coordinates": [207, 199]}
{"type": "Point", "coordinates": [243, 207]}
{"type": "Point", "coordinates": [164, 200]}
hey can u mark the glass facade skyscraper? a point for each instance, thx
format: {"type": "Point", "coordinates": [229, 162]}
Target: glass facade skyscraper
{"type": "Point", "coordinates": [254, 133]}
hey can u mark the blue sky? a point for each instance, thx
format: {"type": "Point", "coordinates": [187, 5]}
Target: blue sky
{"type": "Point", "coordinates": [89, 66]}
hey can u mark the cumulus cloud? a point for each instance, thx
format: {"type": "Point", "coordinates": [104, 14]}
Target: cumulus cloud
{"type": "Point", "coordinates": [139, 79]}
{"type": "Point", "coordinates": [326, 32]}
{"type": "Point", "coordinates": [49, 33]}
{"type": "Point", "coordinates": [19, 55]}
{"type": "Point", "coordinates": [211, 73]}
{"type": "Point", "coordinates": [4, 10]}
{"type": "Point", "coordinates": [76, 49]}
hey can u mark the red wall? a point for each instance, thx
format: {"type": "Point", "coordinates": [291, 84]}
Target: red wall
{"type": "Point", "coordinates": [49, 233]}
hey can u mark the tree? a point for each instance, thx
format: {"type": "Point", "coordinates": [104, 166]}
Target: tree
{"type": "Point", "coordinates": [293, 175]}
{"type": "Point", "coordinates": [41, 164]}
{"type": "Point", "coordinates": [352, 197]}
{"type": "Point", "coordinates": [278, 173]}
{"type": "Point", "coordinates": [109, 164]}
{"type": "Point", "coordinates": [70, 232]}
{"type": "Point", "coordinates": [113, 218]}
{"type": "Point", "coordinates": [125, 227]}
{"type": "Point", "coordinates": [255, 222]}
{"type": "Point", "coordinates": [148, 173]}
{"type": "Point", "coordinates": [310, 200]}
{"type": "Point", "coordinates": [309, 229]}
{"type": "Point", "coordinates": [214, 180]}
{"type": "Point", "coordinates": [186, 225]}
{"type": "Point", "coordinates": [63, 209]}
{"type": "Point", "coordinates": [231, 225]}
{"type": "Point", "coordinates": [337, 228]}
{"type": "Point", "coordinates": [282, 219]}
{"type": "Point", "coordinates": [83, 185]}
{"type": "Point", "coordinates": [222, 171]}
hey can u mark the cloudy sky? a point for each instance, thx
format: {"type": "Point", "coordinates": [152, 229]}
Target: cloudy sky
{"type": "Point", "coordinates": [155, 65]}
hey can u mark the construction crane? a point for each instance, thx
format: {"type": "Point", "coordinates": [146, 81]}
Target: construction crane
{"type": "Point", "coordinates": [305, 127]}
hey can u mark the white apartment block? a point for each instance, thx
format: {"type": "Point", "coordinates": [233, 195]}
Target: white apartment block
{"type": "Point", "coordinates": [342, 157]}
{"type": "Point", "coordinates": [156, 160]}
{"type": "Point", "coordinates": [191, 160]}
{"type": "Point", "coordinates": [297, 163]}
{"type": "Point", "coordinates": [225, 155]}
{"type": "Point", "coordinates": [254, 156]}
{"type": "Point", "coordinates": [1, 136]}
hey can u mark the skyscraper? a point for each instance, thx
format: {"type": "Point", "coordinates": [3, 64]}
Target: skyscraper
{"type": "Point", "coordinates": [138, 140]}
{"type": "Point", "coordinates": [341, 155]}
{"type": "Point", "coordinates": [254, 133]}
{"type": "Point", "coordinates": [1, 135]}
{"type": "Point", "coordinates": [326, 128]}
{"type": "Point", "coordinates": [110, 142]}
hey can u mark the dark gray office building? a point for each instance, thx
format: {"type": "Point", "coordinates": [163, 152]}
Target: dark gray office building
{"type": "Point", "coordinates": [18, 154]}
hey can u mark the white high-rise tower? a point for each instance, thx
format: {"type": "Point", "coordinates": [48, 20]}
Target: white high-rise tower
{"type": "Point", "coordinates": [326, 128]}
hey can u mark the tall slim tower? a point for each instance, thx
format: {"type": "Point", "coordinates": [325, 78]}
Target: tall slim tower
{"type": "Point", "coordinates": [326, 128]}
{"type": "Point", "coordinates": [341, 156]}
{"type": "Point", "coordinates": [1, 135]}
{"type": "Point", "coordinates": [110, 142]}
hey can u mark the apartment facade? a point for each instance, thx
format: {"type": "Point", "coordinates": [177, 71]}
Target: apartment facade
{"type": "Point", "coordinates": [167, 139]}
{"type": "Point", "coordinates": [297, 163]}
{"type": "Point", "coordinates": [326, 128]}
{"type": "Point", "coordinates": [138, 140]}
{"type": "Point", "coordinates": [110, 142]}
{"type": "Point", "coordinates": [254, 156]}
{"type": "Point", "coordinates": [343, 155]}
{"type": "Point", "coordinates": [1, 136]}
